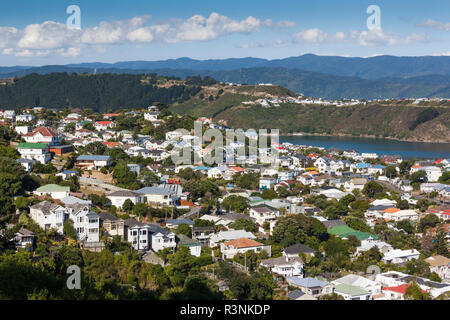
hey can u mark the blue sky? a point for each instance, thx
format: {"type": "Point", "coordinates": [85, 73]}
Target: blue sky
{"type": "Point", "coordinates": [35, 33]}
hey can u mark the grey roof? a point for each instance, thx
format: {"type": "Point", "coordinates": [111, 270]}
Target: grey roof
{"type": "Point", "coordinates": [123, 193]}
{"type": "Point", "coordinates": [153, 228]}
{"type": "Point", "coordinates": [106, 216]}
{"type": "Point", "coordinates": [45, 206]}
{"type": "Point", "coordinates": [306, 282]}
{"type": "Point", "coordinates": [293, 295]}
{"type": "Point", "coordinates": [280, 261]}
{"type": "Point", "coordinates": [24, 160]}
{"type": "Point", "coordinates": [333, 223]}
{"type": "Point", "coordinates": [180, 221]}
{"type": "Point", "coordinates": [93, 158]}
{"type": "Point", "coordinates": [297, 248]}
{"type": "Point", "coordinates": [155, 190]}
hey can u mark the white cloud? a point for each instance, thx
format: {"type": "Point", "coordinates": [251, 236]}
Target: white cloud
{"type": "Point", "coordinates": [375, 37]}
{"type": "Point", "coordinates": [430, 23]}
{"type": "Point", "coordinates": [317, 36]}
{"type": "Point", "coordinates": [378, 37]}
{"type": "Point", "coordinates": [53, 37]}
{"type": "Point", "coordinates": [278, 43]}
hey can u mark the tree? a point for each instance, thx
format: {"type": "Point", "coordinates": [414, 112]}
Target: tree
{"type": "Point", "coordinates": [414, 292]}
{"type": "Point", "coordinates": [405, 225]}
{"type": "Point", "coordinates": [391, 172]}
{"type": "Point", "coordinates": [371, 188]}
{"type": "Point", "coordinates": [244, 224]}
{"type": "Point", "coordinates": [140, 209]}
{"type": "Point", "coordinates": [269, 194]}
{"type": "Point", "coordinates": [185, 229]}
{"type": "Point", "coordinates": [445, 178]}
{"type": "Point", "coordinates": [235, 203]}
{"type": "Point", "coordinates": [429, 221]}
{"type": "Point", "coordinates": [69, 230]}
{"type": "Point", "coordinates": [128, 205]}
{"type": "Point", "coordinates": [418, 176]}
{"type": "Point", "coordinates": [402, 204]}
{"type": "Point", "coordinates": [181, 264]}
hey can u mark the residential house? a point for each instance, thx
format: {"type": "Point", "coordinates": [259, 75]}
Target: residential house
{"type": "Point", "coordinates": [299, 295]}
{"type": "Point", "coordinates": [398, 256]}
{"type": "Point", "coordinates": [195, 247]}
{"type": "Point", "coordinates": [93, 162]}
{"type": "Point", "coordinates": [35, 151]}
{"type": "Point", "coordinates": [355, 183]}
{"type": "Point", "coordinates": [85, 222]}
{"type": "Point", "coordinates": [103, 125]}
{"type": "Point", "coordinates": [43, 135]}
{"type": "Point", "coordinates": [284, 266]}
{"type": "Point", "coordinates": [242, 245]}
{"type": "Point", "coordinates": [296, 249]}
{"type": "Point", "coordinates": [440, 265]}
{"type": "Point", "coordinates": [112, 225]}
{"type": "Point", "coordinates": [27, 164]}
{"type": "Point", "coordinates": [372, 287]}
{"type": "Point", "coordinates": [349, 292]}
{"type": "Point", "coordinates": [118, 198]}
{"type": "Point", "coordinates": [53, 190]}
{"type": "Point", "coordinates": [49, 215]}
{"type": "Point", "coordinates": [311, 286]}
{"type": "Point", "coordinates": [158, 195]}
{"type": "Point", "coordinates": [215, 239]}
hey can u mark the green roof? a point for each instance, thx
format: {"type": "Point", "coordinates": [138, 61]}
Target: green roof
{"type": "Point", "coordinates": [52, 188]}
{"type": "Point", "coordinates": [350, 290]}
{"type": "Point", "coordinates": [32, 145]}
{"type": "Point", "coordinates": [339, 230]}
{"type": "Point", "coordinates": [360, 235]}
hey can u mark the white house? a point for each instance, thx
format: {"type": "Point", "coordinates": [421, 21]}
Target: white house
{"type": "Point", "coordinates": [22, 129]}
{"type": "Point", "coordinates": [118, 198]}
{"type": "Point", "coordinates": [398, 256]}
{"type": "Point", "coordinates": [53, 190]}
{"type": "Point", "coordinates": [25, 118]}
{"type": "Point", "coordinates": [43, 135]}
{"type": "Point", "coordinates": [284, 266]}
{"type": "Point", "coordinates": [85, 222]}
{"type": "Point", "coordinates": [230, 248]}
{"type": "Point", "coordinates": [157, 195]}
{"type": "Point", "coordinates": [440, 265]}
{"type": "Point", "coordinates": [356, 183]}
{"type": "Point", "coordinates": [143, 236]}
{"type": "Point", "coordinates": [49, 215]}
{"type": "Point", "coordinates": [35, 151]}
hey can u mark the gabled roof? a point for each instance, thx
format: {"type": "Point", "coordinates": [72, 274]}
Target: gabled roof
{"type": "Point", "coordinates": [297, 248]}
{"type": "Point", "coordinates": [243, 243]}
{"type": "Point", "coordinates": [350, 290]}
{"type": "Point", "coordinates": [53, 188]}
{"type": "Point", "coordinates": [306, 282]}
{"type": "Point", "coordinates": [44, 131]}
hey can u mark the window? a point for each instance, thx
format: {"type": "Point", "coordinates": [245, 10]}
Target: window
{"type": "Point", "coordinates": [134, 233]}
{"type": "Point", "coordinates": [93, 220]}
{"type": "Point", "coordinates": [80, 230]}
{"type": "Point", "coordinates": [93, 230]}
{"type": "Point", "coordinates": [143, 232]}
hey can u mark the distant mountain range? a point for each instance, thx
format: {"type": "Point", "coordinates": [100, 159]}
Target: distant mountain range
{"type": "Point", "coordinates": [319, 76]}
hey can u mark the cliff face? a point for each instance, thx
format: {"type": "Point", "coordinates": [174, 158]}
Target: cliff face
{"type": "Point", "coordinates": [410, 123]}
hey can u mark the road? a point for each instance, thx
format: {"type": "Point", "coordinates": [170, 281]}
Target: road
{"type": "Point", "coordinates": [401, 192]}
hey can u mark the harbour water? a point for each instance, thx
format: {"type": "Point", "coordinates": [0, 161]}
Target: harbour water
{"type": "Point", "coordinates": [408, 150]}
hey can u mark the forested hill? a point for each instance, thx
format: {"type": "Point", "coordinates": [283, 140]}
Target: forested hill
{"type": "Point", "coordinates": [103, 92]}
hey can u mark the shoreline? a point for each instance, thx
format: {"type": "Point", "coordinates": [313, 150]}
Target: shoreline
{"type": "Point", "coordinates": [346, 135]}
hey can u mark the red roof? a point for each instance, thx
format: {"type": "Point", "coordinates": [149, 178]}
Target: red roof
{"type": "Point", "coordinates": [243, 243]}
{"type": "Point", "coordinates": [111, 144]}
{"type": "Point", "coordinates": [111, 114]}
{"type": "Point", "coordinates": [399, 289]}
{"type": "Point", "coordinates": [103, 122]}
{"type": "Point", "coordinates": [44, 131]}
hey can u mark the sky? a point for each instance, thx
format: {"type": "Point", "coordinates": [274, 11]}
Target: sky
{"type": "Point", "coordinates": [37, 33]}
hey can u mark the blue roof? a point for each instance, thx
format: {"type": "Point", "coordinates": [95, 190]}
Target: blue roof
{"type": "Point", "coordinates": [93, 158]}
{"type": "Point", "coordinates": [378, 166]}
{"type": "Point", "coordinates": [306, 282]}
{"type": "Point", "coordinates": [69, 171]}
{"type": "Point", "coordinates": [201, 168]}
{"type": "Point", "coordinates": [155, 190]}
{"type": "Point", "coordinates": [362, 165]}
